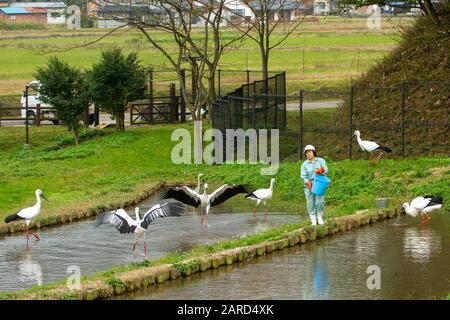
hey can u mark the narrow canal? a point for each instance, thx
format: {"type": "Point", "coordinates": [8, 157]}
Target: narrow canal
{"type": "Point", "coordinates": [413, 260]}
{"type": "Point", "coordinates": [95, 249]}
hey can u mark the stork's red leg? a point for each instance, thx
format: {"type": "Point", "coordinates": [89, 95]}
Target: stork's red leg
{"type": "Point", "coordinates": [135, 243]}
{"type": "Point", "coordinates": [254, 212]}
{"type": "Point", "coordinates": [36, 236]}
{"type": "Point", "coordinates": [27, 233]}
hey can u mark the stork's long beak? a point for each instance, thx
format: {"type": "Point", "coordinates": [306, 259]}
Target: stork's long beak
{"type": "Point", "coordinates": [42, 195]}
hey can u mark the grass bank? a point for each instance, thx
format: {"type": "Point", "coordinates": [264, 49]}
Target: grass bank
{"type": "Point", "coordinates": [117, 170]}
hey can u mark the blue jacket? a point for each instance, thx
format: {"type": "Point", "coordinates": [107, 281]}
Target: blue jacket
{"type": "Point", "coordinates": [308, 168]}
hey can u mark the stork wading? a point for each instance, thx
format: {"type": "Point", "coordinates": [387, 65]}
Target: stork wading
{"type": "Point", "coordinates": [29, 214]}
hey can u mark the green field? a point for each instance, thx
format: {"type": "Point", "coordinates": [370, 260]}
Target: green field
{"type": "Point", "coordinates": [326, 53]}
{"type": "Point", "coordinates": [112, 169]}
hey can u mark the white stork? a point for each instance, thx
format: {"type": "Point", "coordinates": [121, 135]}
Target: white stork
{"type": "Point", "coordinates": [423, 205]}
{"type": "Point", "coordinates": [200, 175]}
{"type": "Point", "coordinates": [370, 146]}
{"type": "Point", "coordinates": [205, 200]}
{"type": "Point", "coordinates": [125, 224]}
{"type": "Point", "coordinates": [28, 214]}
{"type": "Point", "coordinates": [261, 195]}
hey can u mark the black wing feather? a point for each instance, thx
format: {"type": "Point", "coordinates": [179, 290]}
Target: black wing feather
{"type": "Point", "coordinates": [169, 209]}
{"type": "Point", "coordinates": [434, 200]}
{"type": "Point", "coordinates": [230, 191]}
{"type": "Point", "coordinates": [117, 221]}
{"type": "Point", "coordinates": [13, 217]}
{"type": "Point", "coordinates": [179, 194]}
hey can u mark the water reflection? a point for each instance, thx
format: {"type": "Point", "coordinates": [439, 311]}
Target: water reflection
{"type": "Point", "coordinates": [81, 245]}
{"type": "Point", "coordinates": [319, 275]}
{"type": "Point", "coordinates": [30, 271]}
{"type": "Point", "coordinates": [414, 264]}
{"type": "Point", "coordinates": [27, 269]}
{"type": "Point", "coordinates": [421, 243]}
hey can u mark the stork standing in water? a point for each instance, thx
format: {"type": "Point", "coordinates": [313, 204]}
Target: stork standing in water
{"type": "Point", "coordinates": [205, 200]}
{"type": "Point", "coordinates": [423, 205]}
{"type": "Point", "coordinates": [370, 146]}
{"type": "Point", "coordinates": [28, 214]}
{"type": "Point", "coordinates": [125, 224]}
{"type": "Point", "coordinates": [261, 195]}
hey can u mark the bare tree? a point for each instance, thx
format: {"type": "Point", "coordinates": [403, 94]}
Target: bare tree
{"type": "Point", "coordinates": [268, 18]}
{"type": "Point", "coordinates": [196, 26]}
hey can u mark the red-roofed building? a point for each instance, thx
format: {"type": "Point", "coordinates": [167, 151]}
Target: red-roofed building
{"type": "Point", "coordinates": [20, 15]}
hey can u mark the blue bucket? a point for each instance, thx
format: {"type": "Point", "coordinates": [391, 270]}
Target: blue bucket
{"type": "Point", "coordinates": [320, 185]}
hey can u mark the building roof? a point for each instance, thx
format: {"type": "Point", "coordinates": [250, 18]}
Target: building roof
{"type": "Point", "coordinates": [121, 9]}
{"type": "Point", "coordinates": [274, 5]}
{"type": "Point", "coordinates": [49, 5]}
{"type": "Point", "coordinates": [14, 11]}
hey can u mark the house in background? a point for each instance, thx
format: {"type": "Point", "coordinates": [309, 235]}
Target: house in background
{"type": "Point", "coordinates": [21, 15]}
{"type": "Point", "coordinates": [286, 10]}
{"type": "Point", "coordinates": [4, 3]}
{"type": "Point", "coordinates": [239, 12]}
{"type": "Point", "coordinates": [56, 11]}
{"type": "Point", "coordinates": [113, 16]}
{"type": "Point", "coordinates": [325, 7]}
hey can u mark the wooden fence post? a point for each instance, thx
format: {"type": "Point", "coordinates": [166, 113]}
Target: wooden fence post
{"type": "Point", "coordinates": [86, 116]}
{"type": "Point", "coordinates": [38, 114]}
{"type": "Point", "coordinates": [350, 122]}
{"type": "Point", "coordinates": [183, 102]}
{"type": "Point", "coordinates": [173, 103]}
{"type": "Point", "coordinates": [301, 122]}
{"type": "Point", "coordinates": [403, 118]}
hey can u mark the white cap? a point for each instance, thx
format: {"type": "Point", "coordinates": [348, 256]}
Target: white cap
{"type": "Point", "coordinates": [309, 147]}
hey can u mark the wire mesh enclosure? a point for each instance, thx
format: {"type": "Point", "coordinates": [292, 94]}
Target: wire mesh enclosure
{"type": "Point", "coordinates": [259, 104]}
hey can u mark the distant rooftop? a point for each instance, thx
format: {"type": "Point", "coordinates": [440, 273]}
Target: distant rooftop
{"type": "Point", "coordinates": [53, 5]}
{"type": "Point", "coordinates": [14, 10]}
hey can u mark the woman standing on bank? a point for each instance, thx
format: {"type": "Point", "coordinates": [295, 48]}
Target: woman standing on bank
{"type": "Point", "coordinates": [311, 166]}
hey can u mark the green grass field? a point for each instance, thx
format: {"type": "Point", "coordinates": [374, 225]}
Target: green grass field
{"type": "Point", "coordinates": [326, 53]}
{"type": "Point", "coordinates": [117, 167]}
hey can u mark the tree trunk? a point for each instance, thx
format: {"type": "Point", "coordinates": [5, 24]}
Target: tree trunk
{"type": "Point", "coordinates": [76, 134]}
{"type": "Point", "coordinates": [265, 65]}
{"type": "Point", "coordinates": [120, 122]}
{"type": "Point", "coordinates": [428, 8]}
{"type": "Point", "coordinates": [431, 11]}
{"type": "Point", "coordinates": [212, 97]}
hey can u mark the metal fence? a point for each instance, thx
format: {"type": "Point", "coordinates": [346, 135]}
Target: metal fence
{"type": "Point", "coordinates": [412, 118]}
{"type": "Point", "coordinates": [259, 104]}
